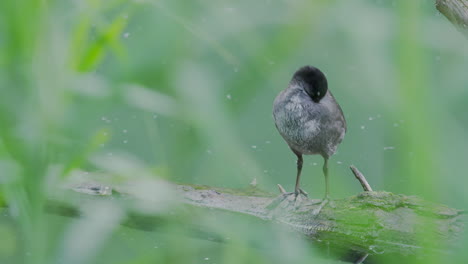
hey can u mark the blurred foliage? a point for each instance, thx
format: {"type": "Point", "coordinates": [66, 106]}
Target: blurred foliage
{"type": "Point", "coordinates": [184, 89]}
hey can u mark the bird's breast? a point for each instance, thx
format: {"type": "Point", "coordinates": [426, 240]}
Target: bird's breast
{"type": "Point", "coordinates": [306, 126]}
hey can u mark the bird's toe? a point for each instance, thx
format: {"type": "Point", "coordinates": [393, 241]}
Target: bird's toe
{"type": "Point", "coordinates": [304, 193]}
{"type": "Point", "coordinates": [295, 198]}
{"type": "Point", "coordinates": [319, 208]}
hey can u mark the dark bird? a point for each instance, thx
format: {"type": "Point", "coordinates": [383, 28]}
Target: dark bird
{"type": "Point", "coordinates": [309, 119]}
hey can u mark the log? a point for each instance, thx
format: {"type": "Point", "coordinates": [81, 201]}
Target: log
{"type": "Point", "coordinates": [456, 11]}
{"type": "Point", "coordinates": [372, 222]}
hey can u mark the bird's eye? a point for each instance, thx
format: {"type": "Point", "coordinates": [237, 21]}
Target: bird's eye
{"type": "Point", "coordinates": [318, 93]}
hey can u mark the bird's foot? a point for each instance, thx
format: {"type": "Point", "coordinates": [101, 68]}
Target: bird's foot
{"type": "Point", "coordinates": [325, 201]}
{"type": "Point", "coordinates": [295, 198]}
{"type": "Point", "coordinates": [303, 193]}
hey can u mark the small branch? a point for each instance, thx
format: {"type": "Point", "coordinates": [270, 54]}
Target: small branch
{"type": "Point", "coordinates": [456, 11]}
{"type": "Point", "coordinates": [281, 189]}
{"type": "Point", "coordinates": [365, 185]}
{"type": "Point", "coordinates": [361, 259]}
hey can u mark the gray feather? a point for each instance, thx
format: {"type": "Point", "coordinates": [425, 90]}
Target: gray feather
{"type": "Point", "coordinates": [309, 127]}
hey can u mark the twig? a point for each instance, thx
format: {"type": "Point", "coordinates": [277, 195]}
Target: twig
{"type": "Point", "coordinates": [365, 185]}
{"type": "Point", "coordinates": [361, 259]}
{"type": "Point", "coordinates": [456, 11]}
{"type": "Point", "coordinates": [281, 189]}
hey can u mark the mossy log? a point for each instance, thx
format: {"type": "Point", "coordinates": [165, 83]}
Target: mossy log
{"type": "Point", "coordinates": [367, 223]}
{"type": "Point", "coordinates": [370, 222]}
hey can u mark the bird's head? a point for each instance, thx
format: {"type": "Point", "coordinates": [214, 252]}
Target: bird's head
{"type": "Point", "coordinates": [313, 81]}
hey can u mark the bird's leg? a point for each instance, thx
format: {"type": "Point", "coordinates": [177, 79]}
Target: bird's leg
{"type": "Point", "coordinates": [326, 199]}
{"type": "Point", "coordinates": [297, 190]}
{"type": "Point", "coordinates": [325, 173]}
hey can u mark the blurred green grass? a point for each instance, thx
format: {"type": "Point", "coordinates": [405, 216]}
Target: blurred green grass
{"type": "Point", "coordinates": [185, 90]}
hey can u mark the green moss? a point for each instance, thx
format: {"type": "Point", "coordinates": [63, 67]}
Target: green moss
{"type": "Point", "coordinates": [2, 200]}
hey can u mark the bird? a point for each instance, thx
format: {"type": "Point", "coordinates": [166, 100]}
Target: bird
{"type": "Point", "coordinates": [310, 120]}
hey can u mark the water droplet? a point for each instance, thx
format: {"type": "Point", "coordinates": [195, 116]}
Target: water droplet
{"type": "Point", "coordinates": [389, 148]}
{"type": "Point", "coordinates": [209, 151]}
{"type": "Point", "coordinates": [315, 163]}
{"type": "Point", "coordinates": [254, 147]}
{"type": "Point", "coordinates": [207, 258]}
{"type": "Point", "coordinates": [395, 124]}
{"type": "Point", "coordinates": [236, 69]}
{"type": "Point", "coordinates": [268, 142]}
{"type": "Point", "coordinates": [228, 96]}
{"type": "Point", "coordinates": [124, 131]}
{"type": "Point", "coordinates": [363, 127]}
{"type": "Point", "coordinates": [339, 162]}
{"type": "Point", "coordinates": [125, 141]}
{"type": "Point", "coordinates": [371, 118]}
{"type": "Point", "coordinates": [105, 119]}
{"type": "Point", "coordinates": [126, 35]}
{"type": "Point", "coordinates": [253, 183]}
{"type": "Point", "coordinates": [155, 116]}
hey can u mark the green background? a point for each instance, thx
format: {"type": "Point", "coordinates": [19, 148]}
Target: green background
{"type": "Point", "coordinates": [183, 90]}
